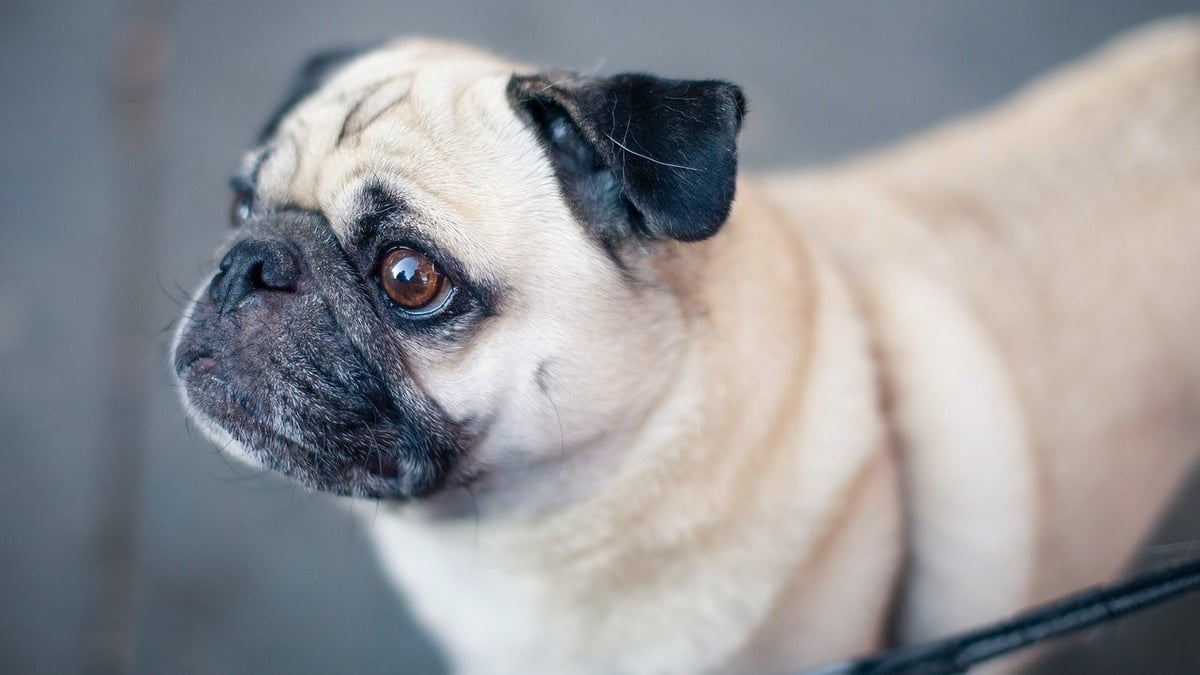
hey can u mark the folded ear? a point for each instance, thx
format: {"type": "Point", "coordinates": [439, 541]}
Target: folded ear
{"type": "Point", "coordinates": [316, 71]}
{"type": "Point", "coordinates": [639, 153]}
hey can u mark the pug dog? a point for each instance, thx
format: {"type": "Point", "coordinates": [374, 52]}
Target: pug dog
{"type": "Point", "coordinates": [619, 421]}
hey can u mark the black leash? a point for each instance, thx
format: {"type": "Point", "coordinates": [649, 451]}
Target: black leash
{"type": "Point", "coordinates": [1073, 613]}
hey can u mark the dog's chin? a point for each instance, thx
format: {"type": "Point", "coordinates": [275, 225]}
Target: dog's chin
{"type": "Point", "coordinates": [354, 459]}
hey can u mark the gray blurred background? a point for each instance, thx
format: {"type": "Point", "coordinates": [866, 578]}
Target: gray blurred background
{"type": "Point", "coordinates": [126, 541]}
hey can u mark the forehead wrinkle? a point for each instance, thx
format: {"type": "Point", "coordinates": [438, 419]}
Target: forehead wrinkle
{"type": "Point", "coordinates": [354, 108]}
{"type": "Point", "coordinates": [449, 66]}
{"type": "Point", "coordinates": [415, 133]}
{"type": "Point", "coordinates": [421, 144]}
{"type": "Point", "coordinates": [376, 101]}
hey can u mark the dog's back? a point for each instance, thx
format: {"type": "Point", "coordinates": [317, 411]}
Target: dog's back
{"type": "Point", "coordinates": [1034, 278]}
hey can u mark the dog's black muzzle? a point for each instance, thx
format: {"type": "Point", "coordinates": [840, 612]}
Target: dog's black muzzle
{"type": "Point", "coordinates": [286, 351]}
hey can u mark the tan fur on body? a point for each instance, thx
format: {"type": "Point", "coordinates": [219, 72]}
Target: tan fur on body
{"type": "Point", "coordinates": [1067, 225]}
{"type": "Point", "coordinates": [939, 384]}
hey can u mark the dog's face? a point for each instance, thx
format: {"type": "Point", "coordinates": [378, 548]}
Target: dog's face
{"type": "Point", "coordinates": [446, 270]}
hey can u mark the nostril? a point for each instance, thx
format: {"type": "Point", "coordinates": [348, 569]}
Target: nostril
{"type": "Point", "coordinates": [254, 277]}
{"type": "Point", "coordinates": [279, 271]}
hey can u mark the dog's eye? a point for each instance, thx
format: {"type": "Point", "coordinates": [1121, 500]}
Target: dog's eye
{"type": "Point", "coordinates": [412, 281]}
{"type": "Point", "coordinates": [239, 210]}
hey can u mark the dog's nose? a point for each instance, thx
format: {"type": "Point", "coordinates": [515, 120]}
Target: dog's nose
{"type": "Point", "coordinates": [254, 266]}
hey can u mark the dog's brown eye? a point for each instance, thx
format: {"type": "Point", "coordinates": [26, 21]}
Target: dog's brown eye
{"type": "Point", "coordinates": [411, 280]}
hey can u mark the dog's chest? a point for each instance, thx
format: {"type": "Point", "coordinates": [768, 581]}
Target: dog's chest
{"type": "Point", "coordinates": [486, 617]}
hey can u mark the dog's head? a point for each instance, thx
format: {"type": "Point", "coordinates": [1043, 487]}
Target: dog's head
{"type": "Point", "coordinates": [445, 268]}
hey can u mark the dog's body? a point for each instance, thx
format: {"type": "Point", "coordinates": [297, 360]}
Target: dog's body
{"type": "Point", "coordinates": [915, 392]}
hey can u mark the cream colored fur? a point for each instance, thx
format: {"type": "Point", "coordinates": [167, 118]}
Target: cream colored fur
{"type": "Point", "coordinates": [952, 379]}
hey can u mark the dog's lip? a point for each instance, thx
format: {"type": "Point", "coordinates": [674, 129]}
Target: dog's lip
{"type": "Point", "coordinates": [198, 361]}
{"type": "Point", "coordinates": [202, 364]}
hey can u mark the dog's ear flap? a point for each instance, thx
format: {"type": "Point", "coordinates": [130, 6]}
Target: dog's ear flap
{"type": "Point", "coordinates": [315, 71]}
{"type": "Point", "coordinates": [658, 154]}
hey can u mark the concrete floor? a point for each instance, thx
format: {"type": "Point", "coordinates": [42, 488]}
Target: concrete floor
{"type": "Point", "coordinates": [239, 573]}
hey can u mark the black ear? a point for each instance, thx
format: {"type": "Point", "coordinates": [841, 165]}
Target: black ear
{"type": "Point", "coordinates": [656, 154]}
{"type": "Point", "coordinates": [316, 71]}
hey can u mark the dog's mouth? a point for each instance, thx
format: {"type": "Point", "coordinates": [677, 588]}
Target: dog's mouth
{"type": "Point", "coordinates": [199, 363]}
{"type": "Point", "coordinates": [309, 409]}
{"type": "Point", "coordinates": [364, 462]}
